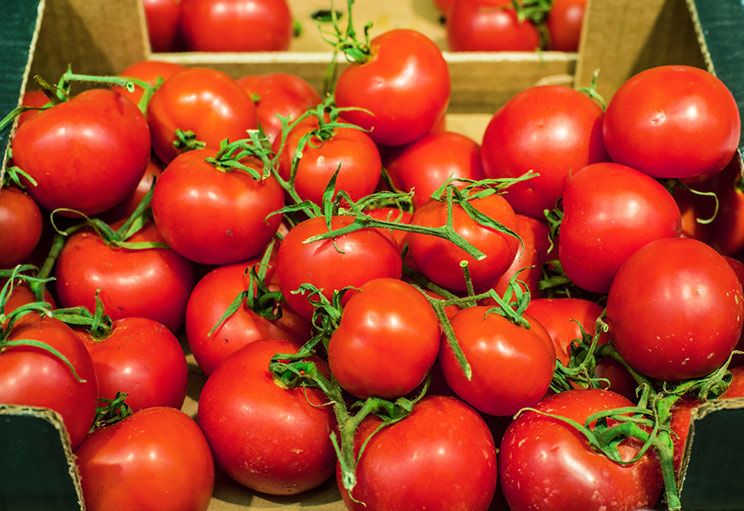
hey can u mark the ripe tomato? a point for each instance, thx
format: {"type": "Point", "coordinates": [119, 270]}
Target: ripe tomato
{"type": "Point", "coordinates": [391, 214]}
{"type": "Point", "coordinates": [220, 25]}
{"type": "Point", "coordinates": [609, 212]}
{"type": "Point", "coordinates": [126, 207]}
{"type": "Point", "coordinates": [205, 101]}
{"type": "Point", "coordinates": [212, 216]}
{"type": "Point", "coordinates": [429, 162]}
{"type": "Point", "coordinates": [88, 153]}
{"type": "Point", "coordinates": [489, 25]}
{"type": "Point", "coordinates": [545, 464]}
{"type": "Point", "coordinates": [403, 88]}
{"type": "Point", "coordinates": [156, 459]}
{"type": "Point", "coordinates": [439, 259]}
{"type": "Point", "coordinates": [332, 264]}
{"type": "Point", "coordinates": [34, 98]}
{"type": "Point", "coordinates": [20, 227]}
{"type": "Point", "coordinates": [416, 463]}
{"type": "Point", "coordinates": [552, 130]}
{"type": "Point", "coordinates": [152, 283]}
{"type": "Point", "coordinates": [278, 94]}
{"type": "Point", "coordinates": [34, 377]}
{"type": "Point", "coordinates": [162, 23]}
{"type": "Point", "coordinates": [243, 412]}
{"type": "Point", "coordinates": [673, 121]}
{"type": "Point", "coordinates": [675, 309]}
{"type": "Point", "coordinates": [512, 365]}
{"type": "Point", "coordinates": [142, 358]}
{"type": "Point", "coordinates": [208, 302]}
{"type": "Point", "coordinates": [22, 295]}
{"type": "Point", "coordinates": [148, 71]}
{"type": "Point", "coordinates": [693, 207]}
{"type": "Point", "coordinates": [564, 24]}
{"type": "Point", "coordinates": [531, 255]}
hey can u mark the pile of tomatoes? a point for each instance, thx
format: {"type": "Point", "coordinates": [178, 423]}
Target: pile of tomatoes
{"type": "Point", "coordinates": [435, 321]}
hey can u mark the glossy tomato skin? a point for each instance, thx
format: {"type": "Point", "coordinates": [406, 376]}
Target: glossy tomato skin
{"type": "Point", "coordinates": [387, 340]}
{"type": "Point", "coordinates": [405, 85]}
{"type": "Point", "coordinates": [220, 25]}
{"type": "Point", "coordinates": [126, 207]}
{"type": "Point", "coordinates": [489, 25]}
{"type": "Point", "coordinates": [162, 23]}
{"type": "Point", "coordinates": [142, 358]}
{"type": "Point", "coordinates": [155, 459]}
{"type": "Point", "coordinates": [34, 98]}
{"type": "Point", "coordinates": [673, 122]}
{"type": "Point", "coordinates": [675, 310]}
{"type": "Point", "coordinates": [208, 302]}
{"type": "Point", "coordinates": [564, 24]}
{"type": "Point", "coordinates": [20, 227]}
{"type": "Point", "coordinates": [152, 283]}
{"type": "Point", "coordinates": [332, 264]}
{"type": "Point", "coordinates": [148, 71]}
{"type": "Point", "coordinates": [243, 412]}
{"type": "Point", "coordinates": [33, 377]}
{"type": "Point", "coordinates": [215, 217]}
{"type": "Point", "coordinates": [545, 464]}
{"type": "Point", "coordinates": [609, 212]}
{"type": "Point", "coordinates": [415, 463]}
{"type": "Point", "coordinates": [428, 163]}
{"type": "Point", "coordinates": [512, 365]}
{"type": "Point", "coordinates": [552, 130]}
{"type": "Point", "coordinates": [88, 153]}
{"type": "Point", "coordinates": [205, 101]}
{"type": "Point", "coordinates": [530, 255]}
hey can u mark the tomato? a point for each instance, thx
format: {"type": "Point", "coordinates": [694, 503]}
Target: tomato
{"type": "Point", "coordinates": [531, 255]}
{"type": "Point", "coordinates": [418, 462]}
{"type": "Point", "coordinates": [403, 88]}
{"type": "Point", "coordinates": [213, 216]}
{"type": "Point", "coordinates": [243, 413]}
{"type": "Point", "coordinates": [489, 25]}
{"type": "Point", "coordinates": [391, 214]}
{"type": "Point", "coordinates": [673, 121]}
{"type": "Point", "coordinates": [33, 377]}
{"type": "Point", "coordinates": [205, 101]}
{"type": "Point", "coordinates": [552, 130]}
{"type": "Point", "coordinates": [20, 227]}
{"type": "Point", "coordinates": [220, 25]}
{"type": "Point", "coordinates": [148, 71]}
{"type": "Point", "coordinates": [34, 98]}
{"type": "Point", "coordinates": [564, 24]}
{"type": "Point", "coordinates": [208, 302]}
{"type": "Point", "coordinates": [22, 295]}
{"type": "Point", "coordinates": [609, 212]}
{"type": "Point", "coordinates": [545, 464]}
{"type": "Point", "coordinates": [675, 310]}
{"type": "Point", "coordinates": [156, 459]}
{"type": "Point", "coordinates": [439, 259]}
{"type": "Point", "coordinates": [332, 264]}
{"type": "Point", "coordinates": [693, 207]}
{"type": "Point", "coordinates": [278, 95]}
{"type": "Point", "coordinates": [88, 153]}
{"type": "Point", "coordinates": [512, 365]}
{"type": "Point", "coordinates": [349, 151]}
{"type": "Point", "coordinates": [126, 207]}
{"type": "Point", "coordinates": [162, 23]}
{"type": "Point", "coordinates": [429, 162]}
{"type": "Point", "coordinates": [727, 230]}
{"type": "Point", "coordinates": [142, 358]}
{"type": "Point", "coordinates": [151, 283]}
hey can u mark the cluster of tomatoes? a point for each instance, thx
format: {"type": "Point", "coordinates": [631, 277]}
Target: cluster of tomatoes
{"type": "Point", "coordinates": [385, 325]}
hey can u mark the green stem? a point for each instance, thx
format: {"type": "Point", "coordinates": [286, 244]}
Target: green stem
{"type": "Point", "coordinates": [39, 287]}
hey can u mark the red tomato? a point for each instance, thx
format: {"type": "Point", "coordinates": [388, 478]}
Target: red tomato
{"type": "Point", "coordinates": [162, 23]}
{"type": "Point", "coordinates": [22, 295]}
{"type": "Point", "coordinates": [333, 264]}
{"type": "Point", "coordinates": [142, 358]}
{"type": "Point", "coordinates": [673, 121]}
{"type": "Point", "coordinates": [545, 464]}
{"type": "Point", "coordinates": [156, 459]}
{"type": "Point", "coordinates": [20, 227]}
{"type": "Point", "coordinates": [221, 25]}
{"type": "Point", "coordinates": [439, 259]}
{"type": "Point", "coordinates": [417, 462]}
{"type": "Point", "coordinates": [205, 101]}
{"type": "Point", "coordinates": [126, 207]}
{"type": "Point", "coordinates": [34, 98]}
{"type": "Point", "coordinates": [278, 94]}
{"type": "Point", "coordinates": [212, 216]}
{"type": "Point", "coordinates": [512, 365]}
{"type": "Point", "coordinates": [429, 162]}
{"type": "Point", "coordinates": [404, 88]}
{"type": "Point", "coordinates": [34, 377]}
{"type": "Point", "coordinates": [208, 302]}
{"type": "Point", "coordinates": [152, 283]}
{"type": "Point", "coordinates": [243, 413]}
{"type": "Point", "coordinates": [609, 212]}
{"type": "Point", "coordinates": [88, 153]}
{"type": "Point", "coordinates": [564, 24]}
{"type": "Point", "coordinates": [489, 25]}
{"type": "Point", "coordinates": [552, 130]}
{"type": "Point", "coordinates": [148, 71]}
{"type": "Point", "coordinates": [391, 214]}
{"type": "Point", "coordinates": [727, 230]}
{"type": "Point", "coordinates": [533, 254]}
{"type": "Point", "coordinates": [675, 310]}
{"type": "Point", "coordinates": [693, 207]}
